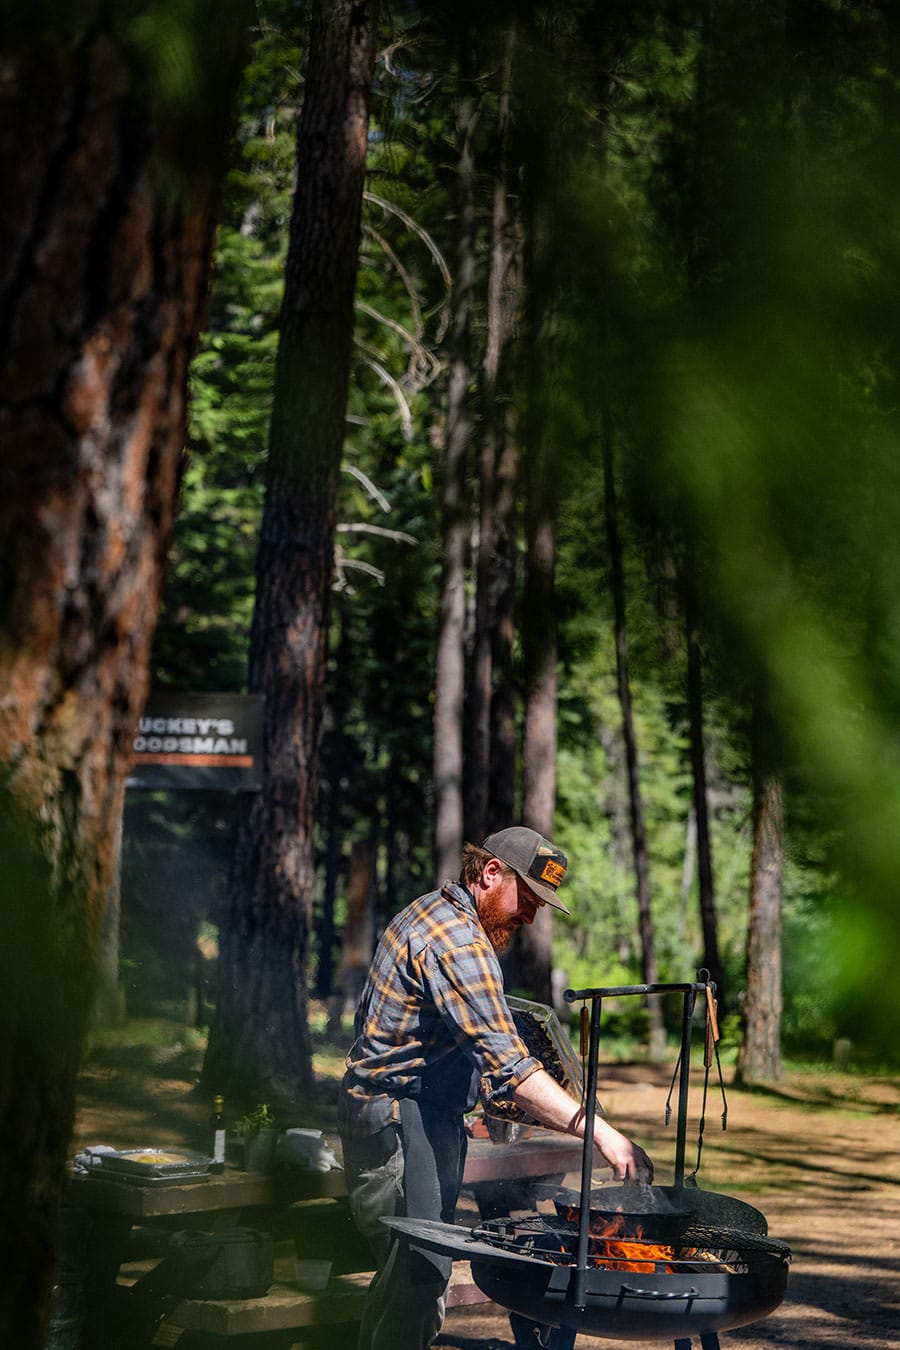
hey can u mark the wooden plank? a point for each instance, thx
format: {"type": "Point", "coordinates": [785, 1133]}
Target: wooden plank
{"type": "Point", "coordinates": [285, 1307]}
{"type": "Point", "coordinates": [233, 1190]}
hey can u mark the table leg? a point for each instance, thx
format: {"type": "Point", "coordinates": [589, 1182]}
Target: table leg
{"type": "Point", "coordinates": [106, 1239]}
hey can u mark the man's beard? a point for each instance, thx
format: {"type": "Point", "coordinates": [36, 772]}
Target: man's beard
{"type": "Point", "coordinates": [499, 926]}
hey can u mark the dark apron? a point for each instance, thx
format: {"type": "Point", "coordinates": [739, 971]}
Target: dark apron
{"type": "Point", "coordinates": [434, 1152]}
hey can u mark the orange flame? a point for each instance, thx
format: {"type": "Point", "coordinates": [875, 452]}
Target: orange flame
{"type": "Point", "coordinates": [613, 1250]}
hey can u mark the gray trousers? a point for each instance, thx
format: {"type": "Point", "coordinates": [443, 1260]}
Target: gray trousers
{"type": "Point", "coordinates": [415, 1171]}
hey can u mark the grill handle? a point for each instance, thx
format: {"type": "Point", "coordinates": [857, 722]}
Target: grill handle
{"type": "Point", "coordinates": [657, 1294]}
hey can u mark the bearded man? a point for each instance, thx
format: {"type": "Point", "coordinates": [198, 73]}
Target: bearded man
{"type": "Point", "coordinates": [432, 1030]}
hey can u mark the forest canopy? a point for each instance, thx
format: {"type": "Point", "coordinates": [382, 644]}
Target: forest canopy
{"type": "Point", "coordinates": [525, 380]}
{"type": "Point", "coordinates": [717, 192]}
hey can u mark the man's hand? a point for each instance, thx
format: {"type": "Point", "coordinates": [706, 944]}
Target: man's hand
{"type": "Point", "coordinates": [543, 1098]}
{"type": "Point", "coordinates": [628, 1160]}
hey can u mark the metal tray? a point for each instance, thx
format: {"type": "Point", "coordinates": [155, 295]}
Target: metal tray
{"type": "Point", "coordinates": [151, 1166]}
{"type": "Point", "coordinates": [129, 1179]}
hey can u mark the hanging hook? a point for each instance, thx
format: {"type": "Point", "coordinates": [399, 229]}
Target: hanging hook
{"type": "Point", "coordinates": [672, 1088]}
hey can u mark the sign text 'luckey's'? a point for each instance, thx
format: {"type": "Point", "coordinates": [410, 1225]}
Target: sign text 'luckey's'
{"type": "Point", "coordinates": [199, 741]}
{"type": "Point", "coordinates": [189, 736]}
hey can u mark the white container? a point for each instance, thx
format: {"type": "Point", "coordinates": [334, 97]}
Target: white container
{"type": "Point", "coordinates": [312, 1276]}
{"type": "Point", "coordinates": [307, 1149]}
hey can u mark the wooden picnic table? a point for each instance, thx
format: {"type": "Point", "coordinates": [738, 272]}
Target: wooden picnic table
{"type": "Point", "coordinates": [544, 1153]}
{"type": "Point", "coordinates": [311, 1205]}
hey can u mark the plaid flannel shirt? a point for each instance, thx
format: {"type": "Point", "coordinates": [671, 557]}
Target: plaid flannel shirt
{"type": "Point", "coordinates": [434, 986]}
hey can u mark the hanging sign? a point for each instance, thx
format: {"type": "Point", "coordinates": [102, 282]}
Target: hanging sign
{"type": "Point", "coordinates": [199, 741]}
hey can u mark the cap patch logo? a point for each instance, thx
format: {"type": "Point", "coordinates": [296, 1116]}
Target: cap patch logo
{"type": "Point", "coordinates": [552, 872]}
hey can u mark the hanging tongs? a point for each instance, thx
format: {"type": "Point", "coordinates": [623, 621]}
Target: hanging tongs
{"type": "Point", "coordinates": [710, 1053]}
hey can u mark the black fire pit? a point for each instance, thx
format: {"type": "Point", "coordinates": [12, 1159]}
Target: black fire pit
{"type": "Point", "coordinates": [626, 1262]}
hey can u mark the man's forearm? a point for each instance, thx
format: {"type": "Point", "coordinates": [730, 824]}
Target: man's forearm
{"type": "Point", "coordinates": [543, 1098]}
{"type": "Point", "coordinates": [546, 1101]}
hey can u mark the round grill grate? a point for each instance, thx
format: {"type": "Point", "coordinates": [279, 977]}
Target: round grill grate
{"type": "Point", "coordinates": [556, 1240]}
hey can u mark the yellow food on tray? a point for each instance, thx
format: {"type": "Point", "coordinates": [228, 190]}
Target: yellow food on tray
{"type": "Point", "coordinates": [149, 1159]}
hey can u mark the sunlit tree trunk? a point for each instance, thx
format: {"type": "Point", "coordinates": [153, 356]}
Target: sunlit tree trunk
{"type": "Point", "coordinates": [640, 855]}
{"type": "Point", "coordinates": [103, 275]}
{"type": "Point", "coordinates": [759, 1058]}
{"type": "Point", "coordinates": [259, 1044]}
{"type": "Point", "coordinates": [450, 660]}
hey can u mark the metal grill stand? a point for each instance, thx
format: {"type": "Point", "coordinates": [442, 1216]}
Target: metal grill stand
{"type": "Point", "coordinates": [566, 1337]}
{"type": "Point", "coordinates": [554, 1291]}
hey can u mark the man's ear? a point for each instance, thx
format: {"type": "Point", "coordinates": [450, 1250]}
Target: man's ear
{"type": "Point", "coordinates": [492, 869]}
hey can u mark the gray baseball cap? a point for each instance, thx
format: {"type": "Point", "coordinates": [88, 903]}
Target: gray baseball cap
{"type": "Point", "coordinates": [540, 864]}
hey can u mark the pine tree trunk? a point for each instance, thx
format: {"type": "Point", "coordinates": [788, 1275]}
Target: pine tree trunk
{"type": "Point", "coordinates": [260, 1045]}
{"type": "Point", "coordinates": [491, 715]}
{"type": "Point", "coordinates": [533, 943]}
{"type": "Point", "coordinates": [109, 997]}
{"type": "Point", "coordinates": [708, 920]}
{"type": "Point", "coordinates": [359, 926]}
{"type": "Point", "coordinates": [334, 773]}
{"type": "Point", "coordinates": [102, 282]}
{"type": "Point", "coordinates": [759, 1058]}
{"type": "Point", "coordinates": [501, 807]}
{"type": "Point", "coordinates": [532, 956]}
{"type": "Point", "coordinates": [649, 973]}
{"type": "Point", "coordinates": [450, 658]}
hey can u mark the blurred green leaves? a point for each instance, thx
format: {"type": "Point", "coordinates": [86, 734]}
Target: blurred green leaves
{"type": "Point", "coordinates": [771, 392]}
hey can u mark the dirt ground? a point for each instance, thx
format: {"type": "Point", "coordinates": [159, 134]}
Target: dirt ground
{"type": "Point", "coordinates": [820, 1156]}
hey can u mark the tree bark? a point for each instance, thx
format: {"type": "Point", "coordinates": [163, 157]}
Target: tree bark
{"type": "Point", "coordinates": [331, 798]}
{"type": "Point", "coordinates": [708, 919]}
{"type": "Point", "coordinates": [260, 1045]}
{"type": "Point", "coordinates": [450, 658]}
{"type": "Point", "coordinates": [109, 996]}
{"type": "Point", "coordinates": [649, 973]}
{"type": "Point", "coordinates": [359, 928]}
{"type": "Point", "coordinates": [501, 807]}
{"type": "Point", "coordinates": [103, 270]}
{"type": "Point", "coordinates": [532, 948]}
{"type": "Point", "coordinates": [491, 716]}
{"type": "Point", "coordinates": [539, 742]}
{"type": "Point", "coordinates": [759, 1058]}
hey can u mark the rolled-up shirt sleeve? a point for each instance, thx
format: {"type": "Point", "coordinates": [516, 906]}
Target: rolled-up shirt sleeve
{"type": "Point", "coordinates": [466, 986]}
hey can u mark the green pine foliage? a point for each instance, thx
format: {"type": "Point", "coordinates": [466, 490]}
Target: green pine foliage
{"type": "Point", "coordinates": [723, 191]}
{"type": "Point", "coordinates": [203, 634]}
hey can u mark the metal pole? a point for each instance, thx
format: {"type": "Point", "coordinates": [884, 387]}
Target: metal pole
{"type": "Point", "coordinates": [587, 1156]}
{"type": "Point", "coordinates": [683, 1083]}
{"type": "Point", "coordinates": [617, 990]}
